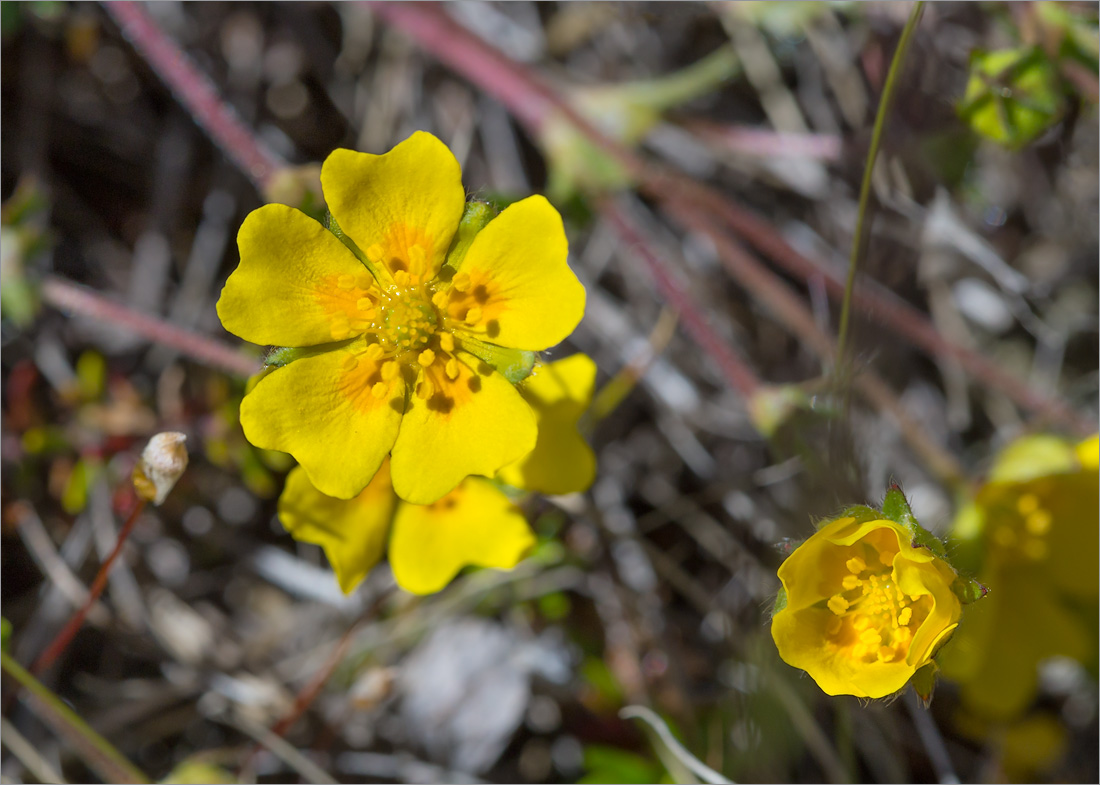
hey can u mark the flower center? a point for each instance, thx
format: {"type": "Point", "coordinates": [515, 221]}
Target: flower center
{"type": "Point", "coordinates": [873, 620]}
{"type": "Point", "coordinates": [407, 320]}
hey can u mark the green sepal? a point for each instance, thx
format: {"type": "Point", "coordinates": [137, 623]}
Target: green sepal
{"type": "Point", "coordinates": [475, 217]}
{"type": "Point", "coordinates": [895, 507]}
{"type": "Point", "coordinates": [332, 226]}
{"type": "Point", "coordinates": [515, 365]}
{"type": "Point", "coordinates": [780, 601]}
{"type": "Point", "coordinates": [924, 683]}
{"type": "Point", "coordinates": [861, 512]}
{"type": "Point", "coordinates": [968, 590]}
{"type": "Point", "coordinates": [279, 356]}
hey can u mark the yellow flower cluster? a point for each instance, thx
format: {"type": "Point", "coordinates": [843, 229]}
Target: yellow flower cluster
{"type": "Point", "coordinates": [406, 323]}
{"type": "Point", "coordinates": [410, 325]}
{"type": "Point", "coordinates": [866, 602]}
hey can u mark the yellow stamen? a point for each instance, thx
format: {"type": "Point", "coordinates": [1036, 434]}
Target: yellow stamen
{"type": "Point", "coordinates": [374, 252]}
{"type": "Point", "coordinates": [365, 281]}
{"type": "Point", "coordinates": [473, 316]}
{"type": "Point", "coordinates": [905, 616]}
{"type": "Point", "coordinates": [870, 637]}
{"type": "Point", "coordinates": [390, 371]}
{"type": "Point", "coordinates": [426, 358]}
{"type": "Point", "coordinates": [885, 654]}
{"type": "Point", "coordinates": [838, 604]}
{"type": "Point", "coordinates": [374, 351]}
{"type": "Point", "coordinates": [447, 342]}
{"type": "Point", "coordinates": [461, 282]}
{"type": "Point", "coordinates": [439, 300]}
{"type": "Point", "coordinates": [851, 582]}
{"type": "Point", "coordinates": [856, 565]}
{"type": "Point", "coordinates": [364, 304]}
{"type": "Point", "coordinates": [1028, 503]}
{"type": "Point", "coordinates": [1038, 522]}
{"type": "Point", "coordinates": [401, 278]}
{"type": "Point", "coordinates": [452, 368]}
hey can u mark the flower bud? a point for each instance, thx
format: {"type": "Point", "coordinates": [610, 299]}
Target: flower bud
{"type": "Point", "coordinates": [162, 462]}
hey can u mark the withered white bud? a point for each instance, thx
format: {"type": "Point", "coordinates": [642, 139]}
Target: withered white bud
{"type": "Point", "coordinates": [162, 462]}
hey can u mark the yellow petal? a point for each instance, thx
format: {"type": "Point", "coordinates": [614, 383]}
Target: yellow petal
{"type": "Point", "coordinates": [321, 410]}
{"type": "Point", "coordinates": [287, 289]}
{"type": "Point", "coordinates": [353, 532]}
{"type": "Point", "coordinates": [517, 280]}
{"type": "Point", "coordinates": [473, 424]}
{"type": "Point", "coordinates": [475, 524]}
{"type": "Point", "coordinates": [562, 461]}
{"type": "Point", "coordinates": [402, 207]}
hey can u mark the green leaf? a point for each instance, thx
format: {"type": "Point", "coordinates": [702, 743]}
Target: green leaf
{"type": "Point", "coordinates": [1013, 95]}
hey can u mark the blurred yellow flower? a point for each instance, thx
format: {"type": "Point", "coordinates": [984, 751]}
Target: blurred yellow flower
{"type": "Point", "coordinates": [475, 524]}
{"type": "Point", "coordinates": [863, 607]}
{"type": "Point", "coordinates": [1031, 534]}
{"type": "Point", "coordinates": [407, 319]}
{"type": "Point", "coordinates": [562, 462]}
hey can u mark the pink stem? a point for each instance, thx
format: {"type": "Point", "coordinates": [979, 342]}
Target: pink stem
{"type": "Point", "coordinates": [67, 296]}
{"type": "Point", "coordinates": [739, 376]}
{"type": "Point", "coordinates": [196, 92]}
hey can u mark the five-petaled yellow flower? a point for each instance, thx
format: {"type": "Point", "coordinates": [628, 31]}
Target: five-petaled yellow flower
{"type": "Point", "coordinates": [475, 524]}
{"type": "Point", "coordinates": [865, 609]}
{"type": "Point", "coordinates": [1031, 535]}
{"type": "Point", "coordinates": [404, 331]}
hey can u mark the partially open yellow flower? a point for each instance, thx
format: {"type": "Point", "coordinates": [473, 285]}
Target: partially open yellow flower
{"type": "Point", "coordinates": [408, 320]}
{"type": "Point", "coordinates": [562, 462]}
{"type": "Point", "coordinates": [865, 607]}
{"type": "Point", "coordinates": [475, 524]}
{"type": "Point", "coordinates": [1031, 535]}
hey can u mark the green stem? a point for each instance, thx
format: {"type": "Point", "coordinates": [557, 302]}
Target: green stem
{"type": "Point", "coordinates": [865, 187]}
{"type": "Point", "coordinates": [93, 749]}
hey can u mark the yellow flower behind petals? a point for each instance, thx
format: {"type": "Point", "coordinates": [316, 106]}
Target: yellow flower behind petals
{"type": "Point", "coordinates": [473, 525]}
{"type": "Point", "coordinates": [562, 462]}
{"type": "Point", "coordinates": [864, 608]}
{"type": "Point", "coordinates": [1031, 535]}
{"type": "Point", "coordinates": [396, 331]}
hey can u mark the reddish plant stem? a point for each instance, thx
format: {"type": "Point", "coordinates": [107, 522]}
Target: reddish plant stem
{"type": "Point", "coordinates": [305, 697]}
{"type": "Point", "coordinates": [64, 638]}
{"type": "Point", "coordinates": [196, 92]}
{"type": "Point", "coordinates": [532, 102]}
{"type": "Point", "coordinates": [733, 367]}
{"type": "Point", "coordinates": [73, 298]}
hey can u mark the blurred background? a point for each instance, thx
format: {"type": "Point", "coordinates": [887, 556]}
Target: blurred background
{"type": "Point", "coordinates": [712, 314]}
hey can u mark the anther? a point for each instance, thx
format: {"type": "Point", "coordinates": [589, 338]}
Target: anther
{"type": "Point", "coordinates": [838, 604]}
{"type": "Point", "coordinates": [851, 582]}
{"type": "Point", "coordinates": [452, 369]}
{"type": "Point", "coordinates": [390, 370]}
{"type": "Point", "coordinates": [885, 654]}
{"type": "Point", "coordinates": [447, 342]}
{"type": "Point", "coordinates": [364, 304]}
{"type": "Point", "coordinates": [374, 351]}
{"type": "Point", "coordinates": [374, 252]}
{"type": "Point", "coordinates": [401, 278]}
{"type": "Point", "coordinates": [473, 316]}
{"type": "Point", "coordinates": [461, 282]}
{"type": "Point", "coordinates": [855, 565]}
{"type": "Point", "coordinates": [439, 300]}
{"type": "Point", "coordinates": [905, 616]}
{"type": "Point", "coordinates": [426, 358]}
{"type": "Point", "coordinates": [1038, 522]}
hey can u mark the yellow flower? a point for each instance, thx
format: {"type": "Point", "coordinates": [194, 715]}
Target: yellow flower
{"type": "Point", "coordinates": [562, 462]}
{"type": "Point", "coordinates": [1031, 535]}
{"type": "Point", "coordinates": [410, 323]}
{"type": "Point", "coordinates": [865, 607]}
{"type": "Point", "coordinates": [475, 524]}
